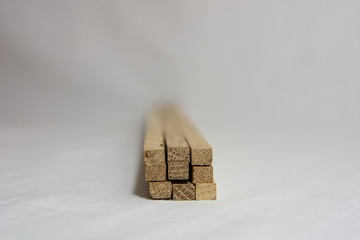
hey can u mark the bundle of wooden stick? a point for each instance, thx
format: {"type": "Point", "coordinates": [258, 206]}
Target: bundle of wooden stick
{"type": "Point", "coordinates": [178, 159]}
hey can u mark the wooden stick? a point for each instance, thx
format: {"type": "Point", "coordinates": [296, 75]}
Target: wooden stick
{"type": "Point", "coordinates": [178, 151]}
{"type": "Point", "coordinates": [202, 174]}
{"type": "Point", "coordinates": [201, 151]}
{"type": "Point", "coordinates": [155, 173]}
{"type": "Point", "coordinates": [183, 191]}
{"type": "Point", "coordinates": [160, 190]}
{"type": "Point", "coordinates": [154, 147]}
{"type": "Point", "coordinates": [178, 170]}
{"type": "Point", "coordinates": [177, 147]}
{"type": "Point", "coordinates": [206, 191]}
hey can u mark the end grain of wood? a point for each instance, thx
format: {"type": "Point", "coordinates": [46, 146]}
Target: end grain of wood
{"type": "Point", "coordinates": [155, 173]}
{"type": "Point", "coordinates": [183, 191]}
{"type": "Point", "coordinates": [200, 155]}
{"type": "Point", "coordinates": [206, 191]}
{"type": "Point", "coordinates": [177, 149]}
{"type": "Point", "coordinates": [202, 174]}
{"type": "Point", "coordinates": [160, 190]}
{"type": "Point", "coordinates": [178, 170]}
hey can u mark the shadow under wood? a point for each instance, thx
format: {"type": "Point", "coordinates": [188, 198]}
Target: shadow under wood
{"type": "Point", "coordinates": [141, 188]}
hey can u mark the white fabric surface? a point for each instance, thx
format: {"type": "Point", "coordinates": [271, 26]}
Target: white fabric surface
{"type": "Point", "coordinates": [273, 85]}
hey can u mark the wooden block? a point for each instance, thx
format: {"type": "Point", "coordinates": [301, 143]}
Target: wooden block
{"type": "Point", "coordinates": [206, 191]}
{"type": "Point", "coordinates": [154, 157]}
{"type": "Point", "coordinates": [176, 145]}
{"type": "Point", "coordinates": [155, 173]}
{"type": "Point", "coordinates": [177, 149]}
{"type": "Point", "coordinates": [200, 155]}
{"type": "Point", "coordinates": [178, 170]}
{"type": "Point", "coordinates": [200, 149]}
{"type": "Point", "coordinates": [154, 147]}
{"type": "Point", "coordinates": [202, 174]}
{"type": "Point", "coordinates": [183, 191]}
{"type": "Point", "coordinates": [160, 190]}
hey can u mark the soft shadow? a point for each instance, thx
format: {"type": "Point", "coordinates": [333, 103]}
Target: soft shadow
{"type": "Point", "coordinates": [141, 188]}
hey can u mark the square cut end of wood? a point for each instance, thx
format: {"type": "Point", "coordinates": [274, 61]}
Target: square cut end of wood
{"type": "Point", "coordinates": [202, 174]}
{"type": "Point", "coordinates": [201, 156]}
{"type": "Point", "coordinates": [178, 153]}
{"type": "Point", "coordinates": [206, 191]}
{"type": "Point", "coordinates": [155, 173]}
{"type": "Point", "coordinates": [160, 190]}
{"type": "Point", "coordinates": [154, 157]}
{"type": "Point", "coordinates": [183, 191]}
{"type": "Point", "coordinates": [178, 170]}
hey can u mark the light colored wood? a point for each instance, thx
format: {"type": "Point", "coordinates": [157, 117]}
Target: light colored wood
{"type": "Point", "coordinates": [200, 150]}
{"type": "Point", "coordinates": [154, 147]}
{"type": "Point", "coordinates": [176, 146]}
{"type": "Point", "coordinates": [171, 144]}
{"type": "Point", "coordinates": [178, 151]}
{"type": "Point", "coordinates": [206, 191]}
{"type": "Point", "coordinates": [160, 190]}
{"type": "Point", "coordinates": [183, 191]}
{"type": "Point", "coordinates": [155, 173]}
{"type": "Point", "coordinates": [202, 174]}
{"type": "Point", "coordinates": [178, 170]}
{"type": "Point", "coordinates": [201, 155]}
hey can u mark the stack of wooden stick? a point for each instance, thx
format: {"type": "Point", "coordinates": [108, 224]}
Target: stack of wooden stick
{"type": "Point", "coordinates": [178, 159]}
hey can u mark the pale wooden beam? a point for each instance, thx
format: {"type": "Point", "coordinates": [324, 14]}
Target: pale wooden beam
{"type": "Point", "coordinates": [183, 191]}
{"type": "Point", "coordinates": [154, 146]}
{"type": "Point", "coordinates": [178, 151]}
{"type": "Point", "coordinates": [206, 191]}
{"type": "Point", "coordinates": [160, 190]}
{"type": "Point", "coordinates": [202, 174]}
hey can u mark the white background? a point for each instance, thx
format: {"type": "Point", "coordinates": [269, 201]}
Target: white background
{"type": "Point", "coordinates": [273, 85]}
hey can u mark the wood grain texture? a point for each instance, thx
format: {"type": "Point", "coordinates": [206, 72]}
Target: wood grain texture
{"type": "Point", "coordinates": [175, 153]}
{"type": "Point", "coordinates": [155, 173]}
{"type": "Point", "coordinates": [206, 191]}
{"type": "Point", "coordinates": [200, 155]}
{"type": "Point", "coordinates": [154, 147]}
{"type": "Point", "coordinates": [200, 150]}
{"type": "Point", "coordinates": [178, 170]}
{"type": "Point", "coordinates": [183, 191]}
{"type": "Point", "coordinates": [160, 190]}
{"type": "Point", "coordinates": [202, 174]}
{"type": "Point", "coordinates": [176, 146]}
